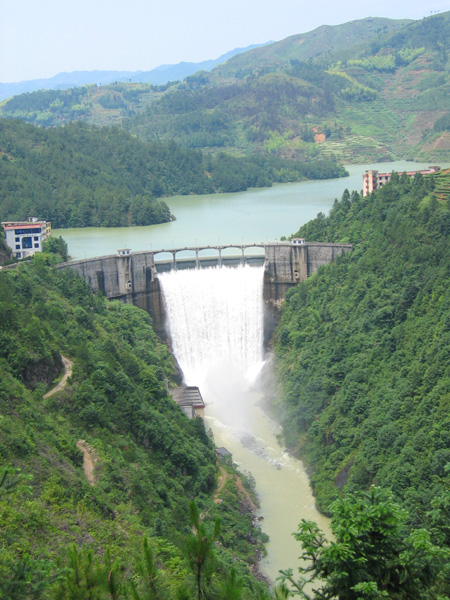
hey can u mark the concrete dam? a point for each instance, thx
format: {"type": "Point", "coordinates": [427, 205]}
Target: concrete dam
{"type": "Point", "coordinates": [132, 277]}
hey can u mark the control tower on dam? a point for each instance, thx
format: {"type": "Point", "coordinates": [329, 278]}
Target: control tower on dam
{"type": "Point", "coordinates": [132, 277]}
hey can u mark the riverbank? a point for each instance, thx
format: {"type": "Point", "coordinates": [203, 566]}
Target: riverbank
{"type": "Point", "coordinates": [237, 489]}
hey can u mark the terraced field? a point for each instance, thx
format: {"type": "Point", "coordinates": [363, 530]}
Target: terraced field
{"type": "Point", "coordinates": [442, 189]}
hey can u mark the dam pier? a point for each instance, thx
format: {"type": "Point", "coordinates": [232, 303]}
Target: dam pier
{"type": "Point", "coordinates": [132, 277]}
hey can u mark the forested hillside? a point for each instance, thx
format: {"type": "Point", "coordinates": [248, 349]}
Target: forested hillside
{"type": "Point", "coordinates": [79, 176]}
{"type": "Point", "coordinates": [100, 105]}
{"type": "Point", "coordinates": [370, 89]}
{"type": "Point", "coordinates": [364, 380]}
{"type": "Point", "coordinates": [70, 535]}
{"type": "Point", "coordinates": [363, 362]}
{"type": "Point", "coordinates": [373, 89]}
{"type": "Point", "coordinates": [363, 348]}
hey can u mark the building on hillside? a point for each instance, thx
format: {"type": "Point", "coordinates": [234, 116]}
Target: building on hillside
{"type": "Point", "coordinates": [190, 400]}
{"type": "Point", "coordinates": [373, 180]}
{"type": "Point", "coordinates": [223, 453]}
{"type": "Point", "coordinates": [26, 237]}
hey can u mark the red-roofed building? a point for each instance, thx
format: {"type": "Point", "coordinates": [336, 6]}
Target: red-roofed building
{"type": "Point", "coordinates": [26, 237]}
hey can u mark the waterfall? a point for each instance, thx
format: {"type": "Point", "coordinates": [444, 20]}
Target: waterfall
{"type": "Point", "coordinates": [215, 319]}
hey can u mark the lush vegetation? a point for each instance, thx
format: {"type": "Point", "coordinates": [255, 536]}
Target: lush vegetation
{"type": "Point", "coordinates": [443, 123]}
{"type": "Point", "coordinates": [359, 99]}
{"type": "Point", "coordinates": [5, 250]}
{"type": "Point", "coordinates": [130, 531]}
{"type": "Point", "coordinates": [79, 176]}
{"type": "Point", "coordinates": [103, 105]}
{"type": "Point", "coordinates": [363, 346]}
{"type": "Point", "coordinates": [362, 351]}
{"type": "Point", "coordinates": [362, 354]}
{"type": "Point", "coordinates": [48, 107]}
{"type": "Point", "coordinates": [372, 556]}
{"type": "Point", "coordinates": [243, 114]}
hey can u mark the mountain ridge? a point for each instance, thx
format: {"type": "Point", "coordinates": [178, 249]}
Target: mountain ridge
{"type": "Point", "coordinates": [368, 90]}
{"type": "Point", "coordinates": [352, 31]}
{"type": "Point", "coordinates": [157, 76]}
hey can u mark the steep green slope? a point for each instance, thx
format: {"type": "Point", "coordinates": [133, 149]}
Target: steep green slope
{"type": "Point", "coordinates": [363, 348]}
{"type": "Point", "coordinates": [149, 459]}
{"type": "Point", "coordinates": [78, 176]}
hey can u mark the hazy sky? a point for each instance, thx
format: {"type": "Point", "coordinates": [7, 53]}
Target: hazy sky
{"type": "Point", "coordinates": [39, 38]}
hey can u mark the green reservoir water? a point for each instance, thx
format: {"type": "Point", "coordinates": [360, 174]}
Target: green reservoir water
{"type": "Point", "coordinates": [258, 215]}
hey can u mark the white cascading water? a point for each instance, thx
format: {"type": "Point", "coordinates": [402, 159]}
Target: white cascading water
{"type": "Point", "coordinates": [216, 321]}
{"type": "Point", "coordinates": [215, 317]}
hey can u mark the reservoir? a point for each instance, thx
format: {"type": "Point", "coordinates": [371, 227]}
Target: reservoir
{"type": "Point", "coordinates": [257, 215]}
{"type": "Point", "coordinates": [233, 403]}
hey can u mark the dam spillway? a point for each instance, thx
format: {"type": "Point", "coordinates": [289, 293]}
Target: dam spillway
{"type": "Point", "coordinates": [133, 277]}
{"type": "Point", "coordinates": [215, 316]}
{"type": "Point", "coordinates": [234, 410]}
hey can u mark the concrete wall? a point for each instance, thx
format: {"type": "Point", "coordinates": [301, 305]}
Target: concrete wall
{"type": "Point", "coordinates": [322, 254]}
{"type": "Point", "coordinates": [288, 264]}
{"type": "Point", "coordinates": [133, 278]}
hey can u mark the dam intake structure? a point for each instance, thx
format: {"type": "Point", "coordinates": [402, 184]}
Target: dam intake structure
{"type": "Point", "coordinates": [134, 277]}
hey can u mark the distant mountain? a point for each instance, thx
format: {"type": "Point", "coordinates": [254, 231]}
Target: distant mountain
{"type": "Point", "coordinates": [318, 44]}
{"type": "Point", "coordinates": [157, 76]}
{"type": "Point", "coordinates": [370, 90]}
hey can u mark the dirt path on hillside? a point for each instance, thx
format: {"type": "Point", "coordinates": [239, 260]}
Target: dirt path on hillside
{"type": "Point", "coordinates": [221, 481]}
{"type": "Point", "coordinates": [90, 459]}
{"type": "Point", "coordinates": [223, 478]}
{"type": "Point", "coordinates": [68, 364]}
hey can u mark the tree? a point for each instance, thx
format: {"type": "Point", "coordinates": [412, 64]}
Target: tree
{"type": "Point", "coordinates": [233, 587]}
{"type": "Point", "coordinates": [200, 550]}
{"type": "Point", "coordinates": [56, 245]}
{"type": "Point", "coordinates": [13, 480]}
{"type": "Point", "coordinates": [371, 557]}
{"type": "Point", "coordinates": [148, 575]}
{"type": "Point", "coordinates": [84, 576]}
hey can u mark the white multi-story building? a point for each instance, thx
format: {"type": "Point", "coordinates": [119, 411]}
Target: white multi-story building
{"type": "Point", "coordinates": [26, 237]}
